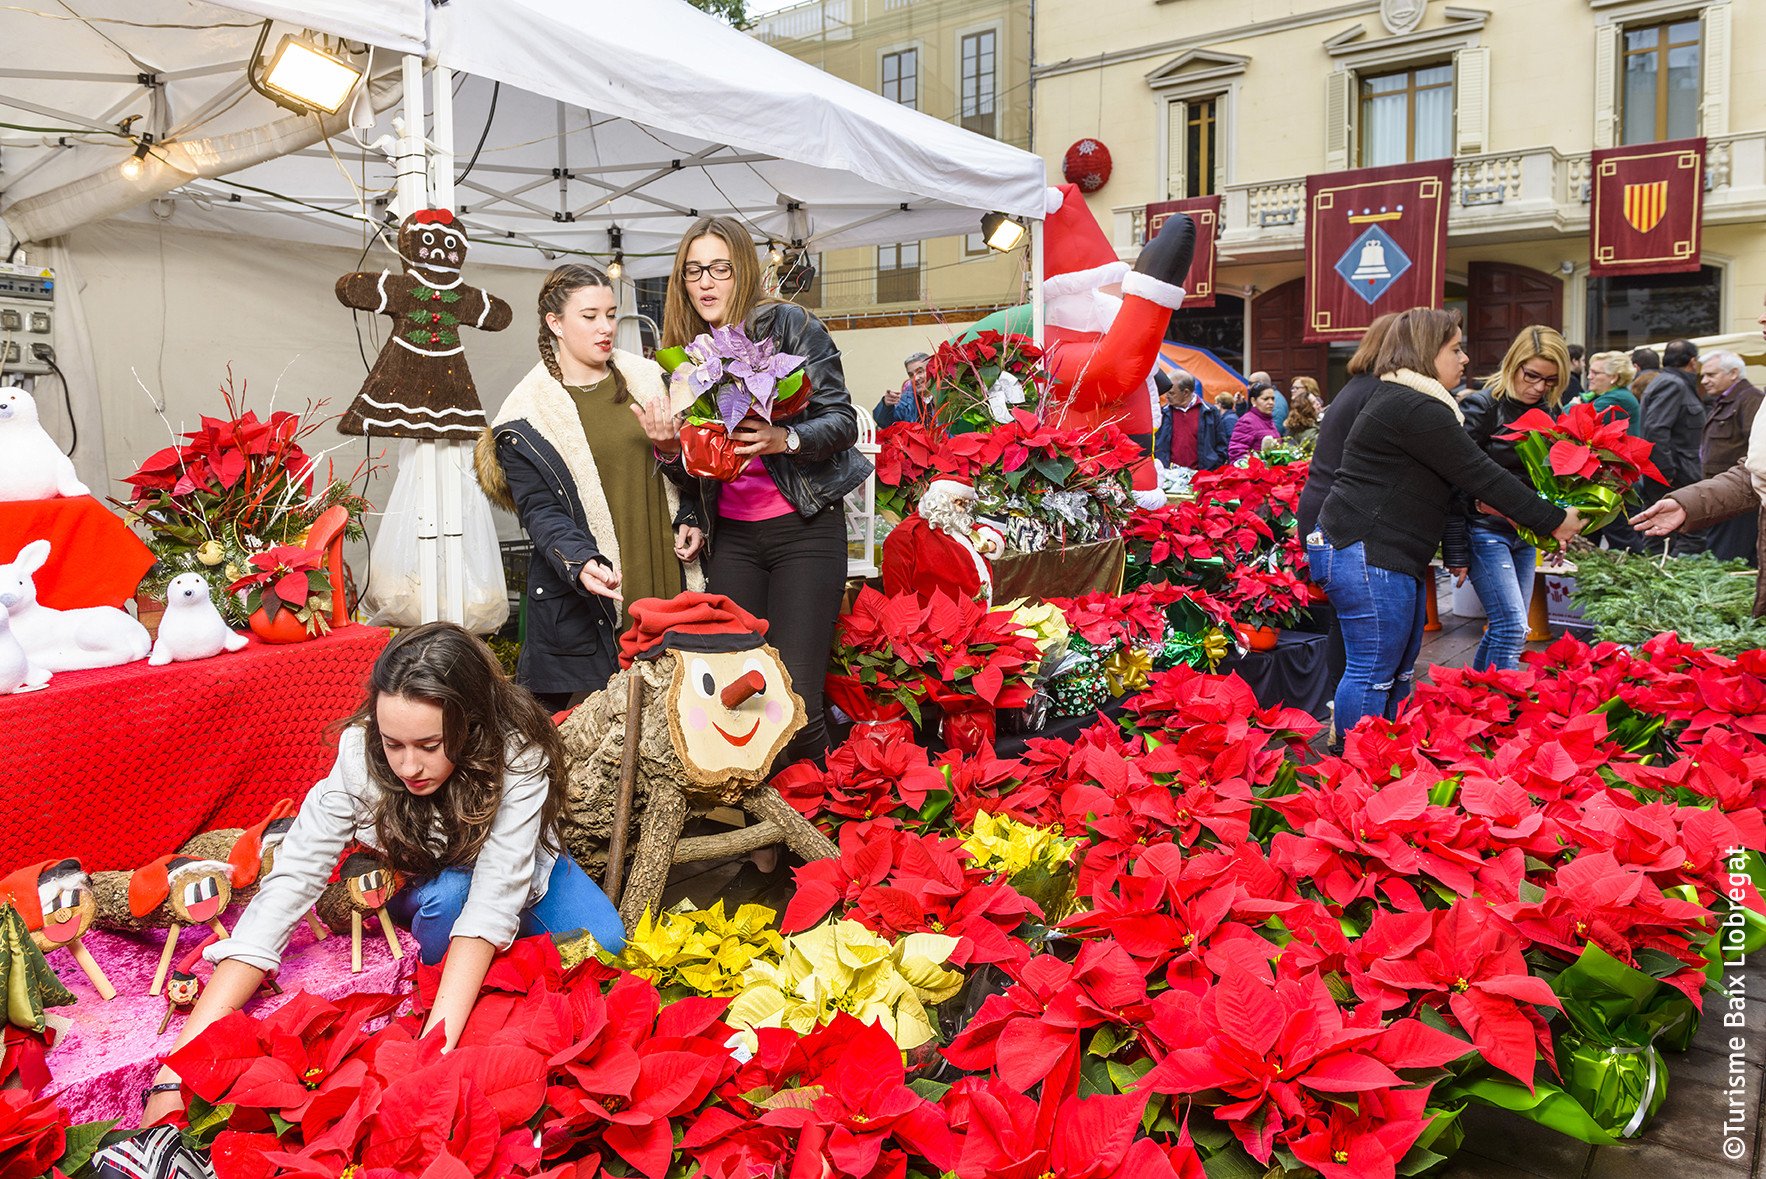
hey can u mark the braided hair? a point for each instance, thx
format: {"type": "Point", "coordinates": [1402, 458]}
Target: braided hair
{"type": "Point", "coordinates": [555, 292]}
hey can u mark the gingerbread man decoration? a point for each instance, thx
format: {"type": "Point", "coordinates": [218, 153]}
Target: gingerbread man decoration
{"type": "Point", "coordinates": [420, 386]}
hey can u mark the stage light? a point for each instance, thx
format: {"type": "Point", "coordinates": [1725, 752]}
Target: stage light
{"type": "Point", "coordinates": [303, 77]}
{"type": "Point", "coordinates": [1002, 232]}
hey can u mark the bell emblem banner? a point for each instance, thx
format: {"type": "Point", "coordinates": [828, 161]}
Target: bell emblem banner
{"type": "Point", "coordinates": [1376, 241]}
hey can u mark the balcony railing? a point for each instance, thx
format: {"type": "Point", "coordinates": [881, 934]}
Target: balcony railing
{"type": "Point", "coordinates": [1512, 195]}
{"type": "Point", "coordinates": [864, 288]}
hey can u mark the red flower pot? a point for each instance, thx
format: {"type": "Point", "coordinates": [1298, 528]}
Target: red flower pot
{"type": "Point", "coordinates": [707, 451]}
{"type": "Point", "coordinates": [968, 729]}
{"type": "Point", "coordinates": [284, 628]}
{"type": "Point", "coordinates": [1262, 638]}
{"type": "Point", "coordinates": [883, 719]}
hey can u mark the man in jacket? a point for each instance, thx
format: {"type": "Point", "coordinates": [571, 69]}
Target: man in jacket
{"type": "Point", "coordinates": [1673, 418]}
{"type": "Point", "coordinates": [1733, 402]}
{"type": "Point", "coordinates": [1191, 432]}
{"type": "Point", "coordinates": [903, 404]}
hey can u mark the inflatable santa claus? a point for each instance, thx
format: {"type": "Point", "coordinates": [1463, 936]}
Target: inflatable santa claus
{"type": "Point", "coordinates": [941, 547]}
{"type": "Point", "coordinates": [1104, 322]}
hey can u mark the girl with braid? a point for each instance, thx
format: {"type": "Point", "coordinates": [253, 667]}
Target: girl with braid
{"type": "Point", "coordinates": [575, 452]}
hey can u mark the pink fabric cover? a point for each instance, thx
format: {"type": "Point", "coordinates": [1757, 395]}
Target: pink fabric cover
{"type": "Point", "coordinates": [752, 495]}
{"type": "Point", "coordinates": [110, 1053]}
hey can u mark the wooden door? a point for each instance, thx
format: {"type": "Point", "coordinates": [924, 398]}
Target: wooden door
{"type": "Point", "coordinates": [1278, 330]}
{"type": "Point", "coordinates": [1500, 301]}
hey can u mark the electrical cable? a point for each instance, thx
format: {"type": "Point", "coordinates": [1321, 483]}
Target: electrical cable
{"type": "Point", "coordinates": [489, 118]}
{"type": "Point", "coordinates": [67, 399]}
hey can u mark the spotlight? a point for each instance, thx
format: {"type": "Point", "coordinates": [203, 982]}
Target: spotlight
{"type": "Point", "coordinates": [131, 167]}
{"type": "Point", "coordinates": [303, 77]}
{"type": "Point", "coordinates": [1002, 232]}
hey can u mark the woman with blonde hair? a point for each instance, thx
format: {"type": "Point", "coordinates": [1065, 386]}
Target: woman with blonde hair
{"type": "Point", "coordinates": [574, 453]}
{"type": "Point", "coordinates": [1609, 388]}
{"type": "Point", "coordinates": [776, 535]}
{"type": "Point", "coordinates": [1533, 375]}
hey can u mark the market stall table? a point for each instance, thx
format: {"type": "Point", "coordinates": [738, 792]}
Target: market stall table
{"type": "Point", "coordinates": [1294, 675]}
{"type": "Point", "coordinates": [120, 765]}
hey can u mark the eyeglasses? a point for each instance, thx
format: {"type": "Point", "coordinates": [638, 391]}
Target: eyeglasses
{"type": "Point", "coordinates": [694, 271]}
{"type": "Point", "coordinates": [1536, 378]}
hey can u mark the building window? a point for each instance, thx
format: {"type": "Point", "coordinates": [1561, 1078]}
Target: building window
{"type": "Point", "coordinates": [898, 273]}
{"type": "Point", "coordinates": [901, 77]}
{"type": "Point", "coordinates": [975, 246]}
{"type": "Point", "coordinates": [1631, 311]}
{"type": "Point", "coordinates": [1201, 146]}
{"type": "Point", "coordinates": [1407, 116]}
{"type": "Point", "coordinates": [1662, 86]}
{"type": "Point", "coordinates": [979, 82]}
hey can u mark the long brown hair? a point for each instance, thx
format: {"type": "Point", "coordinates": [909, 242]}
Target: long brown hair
{"type": "Point", "coordinates": [488, 721]}
{"type": "Point", "coordinates": [1534, 343]}
{"type": "Point", "coordinates": [1413, 340]}
{"type": "Point", "coordinates": [681, 322]}
{"type": "Point", "coordinates": [1372, 341]}
{"type": "Point", "coordinates": [555, 292]}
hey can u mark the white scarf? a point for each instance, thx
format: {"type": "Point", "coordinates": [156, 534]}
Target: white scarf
{"type": "Point", "coordinates": [1756, 458]}
{"type": "Point", "coordinates": [1428, 387]}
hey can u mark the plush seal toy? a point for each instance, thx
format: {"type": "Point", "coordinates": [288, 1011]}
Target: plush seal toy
{"type": "Point", "coordinates": [31, 465]}
{"type": "Point", "coordinates": [192, 628]}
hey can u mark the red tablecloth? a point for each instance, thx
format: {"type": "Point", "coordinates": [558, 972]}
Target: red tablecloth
{"type": "Point", "coordinates": [94, 560]}
{"type": "Point", "coordinates": [123, 764]}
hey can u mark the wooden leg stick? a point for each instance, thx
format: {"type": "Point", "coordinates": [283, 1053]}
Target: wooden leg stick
{"type": "Point", "coordinates": [93, 973]}
{"type": "Point", "coordinates": [320, 933]}
{"type": "Point", "coordinates": [628, 784]}
{"type": "Point", "coordinates": [392, 939]}
{"type": "Point", "coordinates": [165, 960]}
{"type": "Point", "coordinates": [355, 941]}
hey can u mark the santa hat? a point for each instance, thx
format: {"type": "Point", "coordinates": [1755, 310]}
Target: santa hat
{"type": "Point", "coordinates": [950, 482]}
{"type": "Point", "coordinates": [1076, 254]}
{"type": "Point", "coordinates": [151, 884]}
{"type": "Point", "coordinates": [688, 622]}
{"type": "Point", "coordinates": [247, 856]}
{"type": "Point", "coordinates": [24, 887]}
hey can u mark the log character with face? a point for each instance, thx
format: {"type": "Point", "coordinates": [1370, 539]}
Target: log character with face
{"type": "Point", "coordinates": [694, 722]}
{"type": "Point", "coordinates": [363, 886]}
{"type": "Point", "coordinates": [55, 899]}
{"type": "Point", "coordinates": [182, 891]}
{"type": "Point", "coordinates": [254, 855]}
{"type": "Point", "coordinates": [182, 990]}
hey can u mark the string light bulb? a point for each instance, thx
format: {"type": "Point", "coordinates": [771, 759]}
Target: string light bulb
{"type": "Point", "coordinates": [616, 268]}
{"type": "Point", "coordinates": [775, 255]}
{"type": "Point", "coordinates": [615, 242]}
{"type": "Point", "coordinates": [131, 167]}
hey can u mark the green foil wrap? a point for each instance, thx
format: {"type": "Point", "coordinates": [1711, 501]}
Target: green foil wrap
{"type": "Point", "coordinates": [1079, 693]}
{"type": "Point", "coordinates": [1598, 503]}
{"type": "Point", "coordinates": [1621, 1086]}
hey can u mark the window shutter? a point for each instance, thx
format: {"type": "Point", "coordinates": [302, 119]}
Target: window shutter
{"type": "Point", "coordinates": [1606, 85]}
{"type": "Point", "coordinates": [1176, 121]}
{"type": "Point", "coordinates": [1338, 87]}
{"type": "Point", "coordinates": [1472, 90]}
{"type": "Point", "coordinates": [1224, 107]}
{"type": "Point", "coordinates": [1715, 51]}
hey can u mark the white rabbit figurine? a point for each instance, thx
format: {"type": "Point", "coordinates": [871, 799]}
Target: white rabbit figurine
{"type": "Point", "coordinates": [31, 465]}
{"type": "Point", "coordinates": [17, 672]}
{"type": "Point", "coordinates": [66, 640]}
{"type": "Point", "coordinates": [192, 628]}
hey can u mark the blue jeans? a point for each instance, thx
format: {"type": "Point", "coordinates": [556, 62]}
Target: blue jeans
{"type": "Point", "coordinates": [1381, 613]}
{"type": "Point", "coordinates": [573, 903]}
{"type": "Point", "coordinates": [1502, 573]}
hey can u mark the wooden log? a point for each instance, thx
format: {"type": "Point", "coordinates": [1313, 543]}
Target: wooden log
{"type": "Point", "coordinates": [763, 802]}
{"type": "Point", "coordinates": [392, 939]}
{"type": "Point", "coordinates": [355, 941]}
{"type": "Point", "coordinates": [628, 785]}
{"type": "Point", "coordinates": [165, 959]}
{"type": "Point", "coordinates": [320, 933]}
{"type": "Point", "coordinates": [664, 817]}
{"type": "Point", "coordinates": [728, 844]}
{"type": "Point", "coordinates": [94, 974]}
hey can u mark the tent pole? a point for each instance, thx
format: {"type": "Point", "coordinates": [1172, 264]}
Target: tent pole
{"type": "Point", "coordinates": [1036, 273]}
{"type": "Point", "coordinates": [413, 195]}
{"type": "Point", "coordinates": [449, 468]}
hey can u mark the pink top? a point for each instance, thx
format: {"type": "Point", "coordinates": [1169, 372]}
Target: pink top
{"type": "Point", "coordinates": [752, 496]}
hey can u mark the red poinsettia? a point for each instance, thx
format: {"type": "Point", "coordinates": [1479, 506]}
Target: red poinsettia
{"type": "Point", "coordinates": [1091, 1138]}
{"type": "Point", "coordinates": [1583, 445]}
{"type": "Point", "coordinates": [1366, 1140]}
{"type": "Point", "coordinates": [33, 1134]}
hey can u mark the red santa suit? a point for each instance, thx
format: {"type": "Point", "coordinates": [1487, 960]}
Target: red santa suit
{"type": "Point", "coordinates": [944, 554]}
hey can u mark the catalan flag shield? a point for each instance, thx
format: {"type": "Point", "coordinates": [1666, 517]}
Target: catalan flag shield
{"type": "Point", "coordinates": [1645, 204]}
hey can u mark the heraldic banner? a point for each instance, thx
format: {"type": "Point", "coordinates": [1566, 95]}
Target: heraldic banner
{"type": "Point", "coordinates": [1205, 212]}
{"type": "Point", "coordinates": [1376, 241]}
{"type": "Point", "coordinates": [1648, 207]}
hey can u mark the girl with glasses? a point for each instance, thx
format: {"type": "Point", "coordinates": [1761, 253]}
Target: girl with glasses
{"type": "Point", "coordinates": [1533, 375]}
{"type": "Point", "coordinates": [776, 535]}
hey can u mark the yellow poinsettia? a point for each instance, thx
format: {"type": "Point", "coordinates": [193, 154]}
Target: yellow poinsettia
{"type": "Point", "coordinates": [701, 950]}
{"type": "Point", "coordinates": [842, 966]}
{"type": "Point", "coordinates": [1037, 861]}
{"type": "Point", "coordinates": [1043, 624]}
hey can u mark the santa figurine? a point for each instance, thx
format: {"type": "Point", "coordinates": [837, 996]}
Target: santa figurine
{"type": "Point", "coordinates": [941, 547]}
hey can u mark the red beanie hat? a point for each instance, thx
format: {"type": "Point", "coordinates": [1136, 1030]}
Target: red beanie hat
{"type": "Point", "coordinates": [688, 622]}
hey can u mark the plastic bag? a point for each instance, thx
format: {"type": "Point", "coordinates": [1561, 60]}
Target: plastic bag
{"type": "Point", "coordinates": [395, 587]}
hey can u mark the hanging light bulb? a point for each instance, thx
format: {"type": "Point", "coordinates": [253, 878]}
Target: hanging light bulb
{"type": "Point", "coordinates": [615, 240]}
{"type": "Point", "coordinates": [616, 268]}
{"type": "Point", "coordinates": [131, 167]}
{"type": "Point", "coordinates": [776, 256]}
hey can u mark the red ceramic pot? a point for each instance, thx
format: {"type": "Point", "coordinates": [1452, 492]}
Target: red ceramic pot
{"type": "Point", "coordinates": [284, 628]}
{"type": "Point", "coordinates": [1262, 638]}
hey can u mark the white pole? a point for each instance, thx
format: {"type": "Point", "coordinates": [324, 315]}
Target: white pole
{"type": "Point", "coordinates": [413, 195]}
{"type": "Point", "coordinates": [448, 455]}
{"type": "Point", "coordinates": [1036, 273]}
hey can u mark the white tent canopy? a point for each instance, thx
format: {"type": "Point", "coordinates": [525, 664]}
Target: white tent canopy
{"type": "Point", "coordinates": [608, 113]}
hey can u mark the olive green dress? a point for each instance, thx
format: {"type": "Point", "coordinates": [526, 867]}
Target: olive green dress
{"type": "Point", "coordinates": [637, 494]}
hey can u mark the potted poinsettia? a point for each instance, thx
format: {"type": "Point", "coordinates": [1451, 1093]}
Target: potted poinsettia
{"type": "Point", "coordinates": [1266, 600]}
{"type": "Point", "coordinates": [718, 380]}
{"type": "Point", "coordinates": [288, 592]}
{"type": "Point", "coordinates": [869, 678]}
{"type": "Point", "coordinates": [1579, 461]}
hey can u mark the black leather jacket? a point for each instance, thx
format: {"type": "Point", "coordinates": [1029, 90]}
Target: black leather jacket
{"type": "Point", "coordinates": [1487, 416]}
{"type": "Point", "coordinates": [825, 466]}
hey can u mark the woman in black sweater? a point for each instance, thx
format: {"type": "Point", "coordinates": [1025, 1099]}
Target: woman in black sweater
{"type": "Point", "coordinates": [1387, 509]}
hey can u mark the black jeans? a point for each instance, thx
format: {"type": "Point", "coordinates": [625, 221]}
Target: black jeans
{"type": "Point", "coordinates": [791, 572]}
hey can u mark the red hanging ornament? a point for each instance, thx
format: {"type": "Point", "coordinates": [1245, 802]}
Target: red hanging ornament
{"type": "Point", "coordinates": [435, 317]}
{"type": "Point", "coordinates": [1087, 164]}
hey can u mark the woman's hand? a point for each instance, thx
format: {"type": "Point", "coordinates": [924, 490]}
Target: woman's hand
{"type": "Point", "coordinates": [659, 425]}
{"type": "Point", "coordinates": [600, 579]}
{"type": "Point", "coordinates": [755, 436]}
{"type": "Point", "coordinates": [1570, 529]}
{"type": "Point", "coordinates": [1459, 573]}
{"type": "Point", "coordinates": [162, 1105]}
{"type": "Point", "coordinates": [689, 539]}
{"type": "Point", "coordinates": [1660, 518]}
{"type": "Point", "coordinates": [234, 982]}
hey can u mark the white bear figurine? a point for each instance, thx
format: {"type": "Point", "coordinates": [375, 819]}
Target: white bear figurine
{"type": "Point", "coordinates": [192, 628]}
{"type": "Point", "coordinates": [66, 640]}
{"type": "Point", "coordinates": [31, 465]}
{"type": "Point", "coordinates": [17, 672]}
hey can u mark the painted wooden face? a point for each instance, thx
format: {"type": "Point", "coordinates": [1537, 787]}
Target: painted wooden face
{"type": "Point", "coordinates": [274, 834]}
{"type": "Point", "coordinates": [199, 894]}
{"type": "Point", "coordinates": [182, 989]}
{"type": "Point", "coordinates": [68, 908]}
{"type": "Point", "coordinates": [735, 711]}
{"type": "Point", "coordinates": [373, 888]}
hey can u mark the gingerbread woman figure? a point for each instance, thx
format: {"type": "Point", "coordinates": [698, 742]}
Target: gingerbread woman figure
{"type": "Point", "coordinates": [420, 386]}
